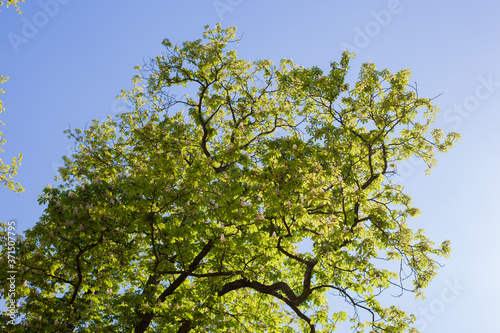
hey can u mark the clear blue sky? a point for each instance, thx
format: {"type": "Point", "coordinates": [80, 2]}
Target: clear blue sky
{"type": "Point", "coordinates": [66, 64]}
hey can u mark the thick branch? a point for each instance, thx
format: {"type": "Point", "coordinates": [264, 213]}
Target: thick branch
{"type": "Point", "coordinates": [145, 318]}
{"type": "Point", "coordinates": [273, 290]}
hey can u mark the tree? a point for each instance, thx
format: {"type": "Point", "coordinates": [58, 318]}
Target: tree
{"type": "Point", "coordinates": [8, 171]}
{"type": "Point", "coordinates": [165, 222]}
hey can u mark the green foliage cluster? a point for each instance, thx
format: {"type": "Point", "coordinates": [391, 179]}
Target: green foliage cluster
{"type": "Point", "coordinates": [14, 3]}
{"type": "Point", "coordinates": [184, 214]}
{"type": "Point", "coordinates": [8, 171]}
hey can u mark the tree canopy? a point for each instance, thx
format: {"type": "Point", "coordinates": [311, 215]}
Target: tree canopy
{"type": "Point", "coordinates": [234, 196]}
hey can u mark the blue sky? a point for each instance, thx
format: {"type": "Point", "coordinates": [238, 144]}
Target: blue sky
{"type": "Point", "coordinates": [67, 60]}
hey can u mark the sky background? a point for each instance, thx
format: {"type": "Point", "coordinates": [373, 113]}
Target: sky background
{"type": "Point", "coordinates": [67, 60]}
